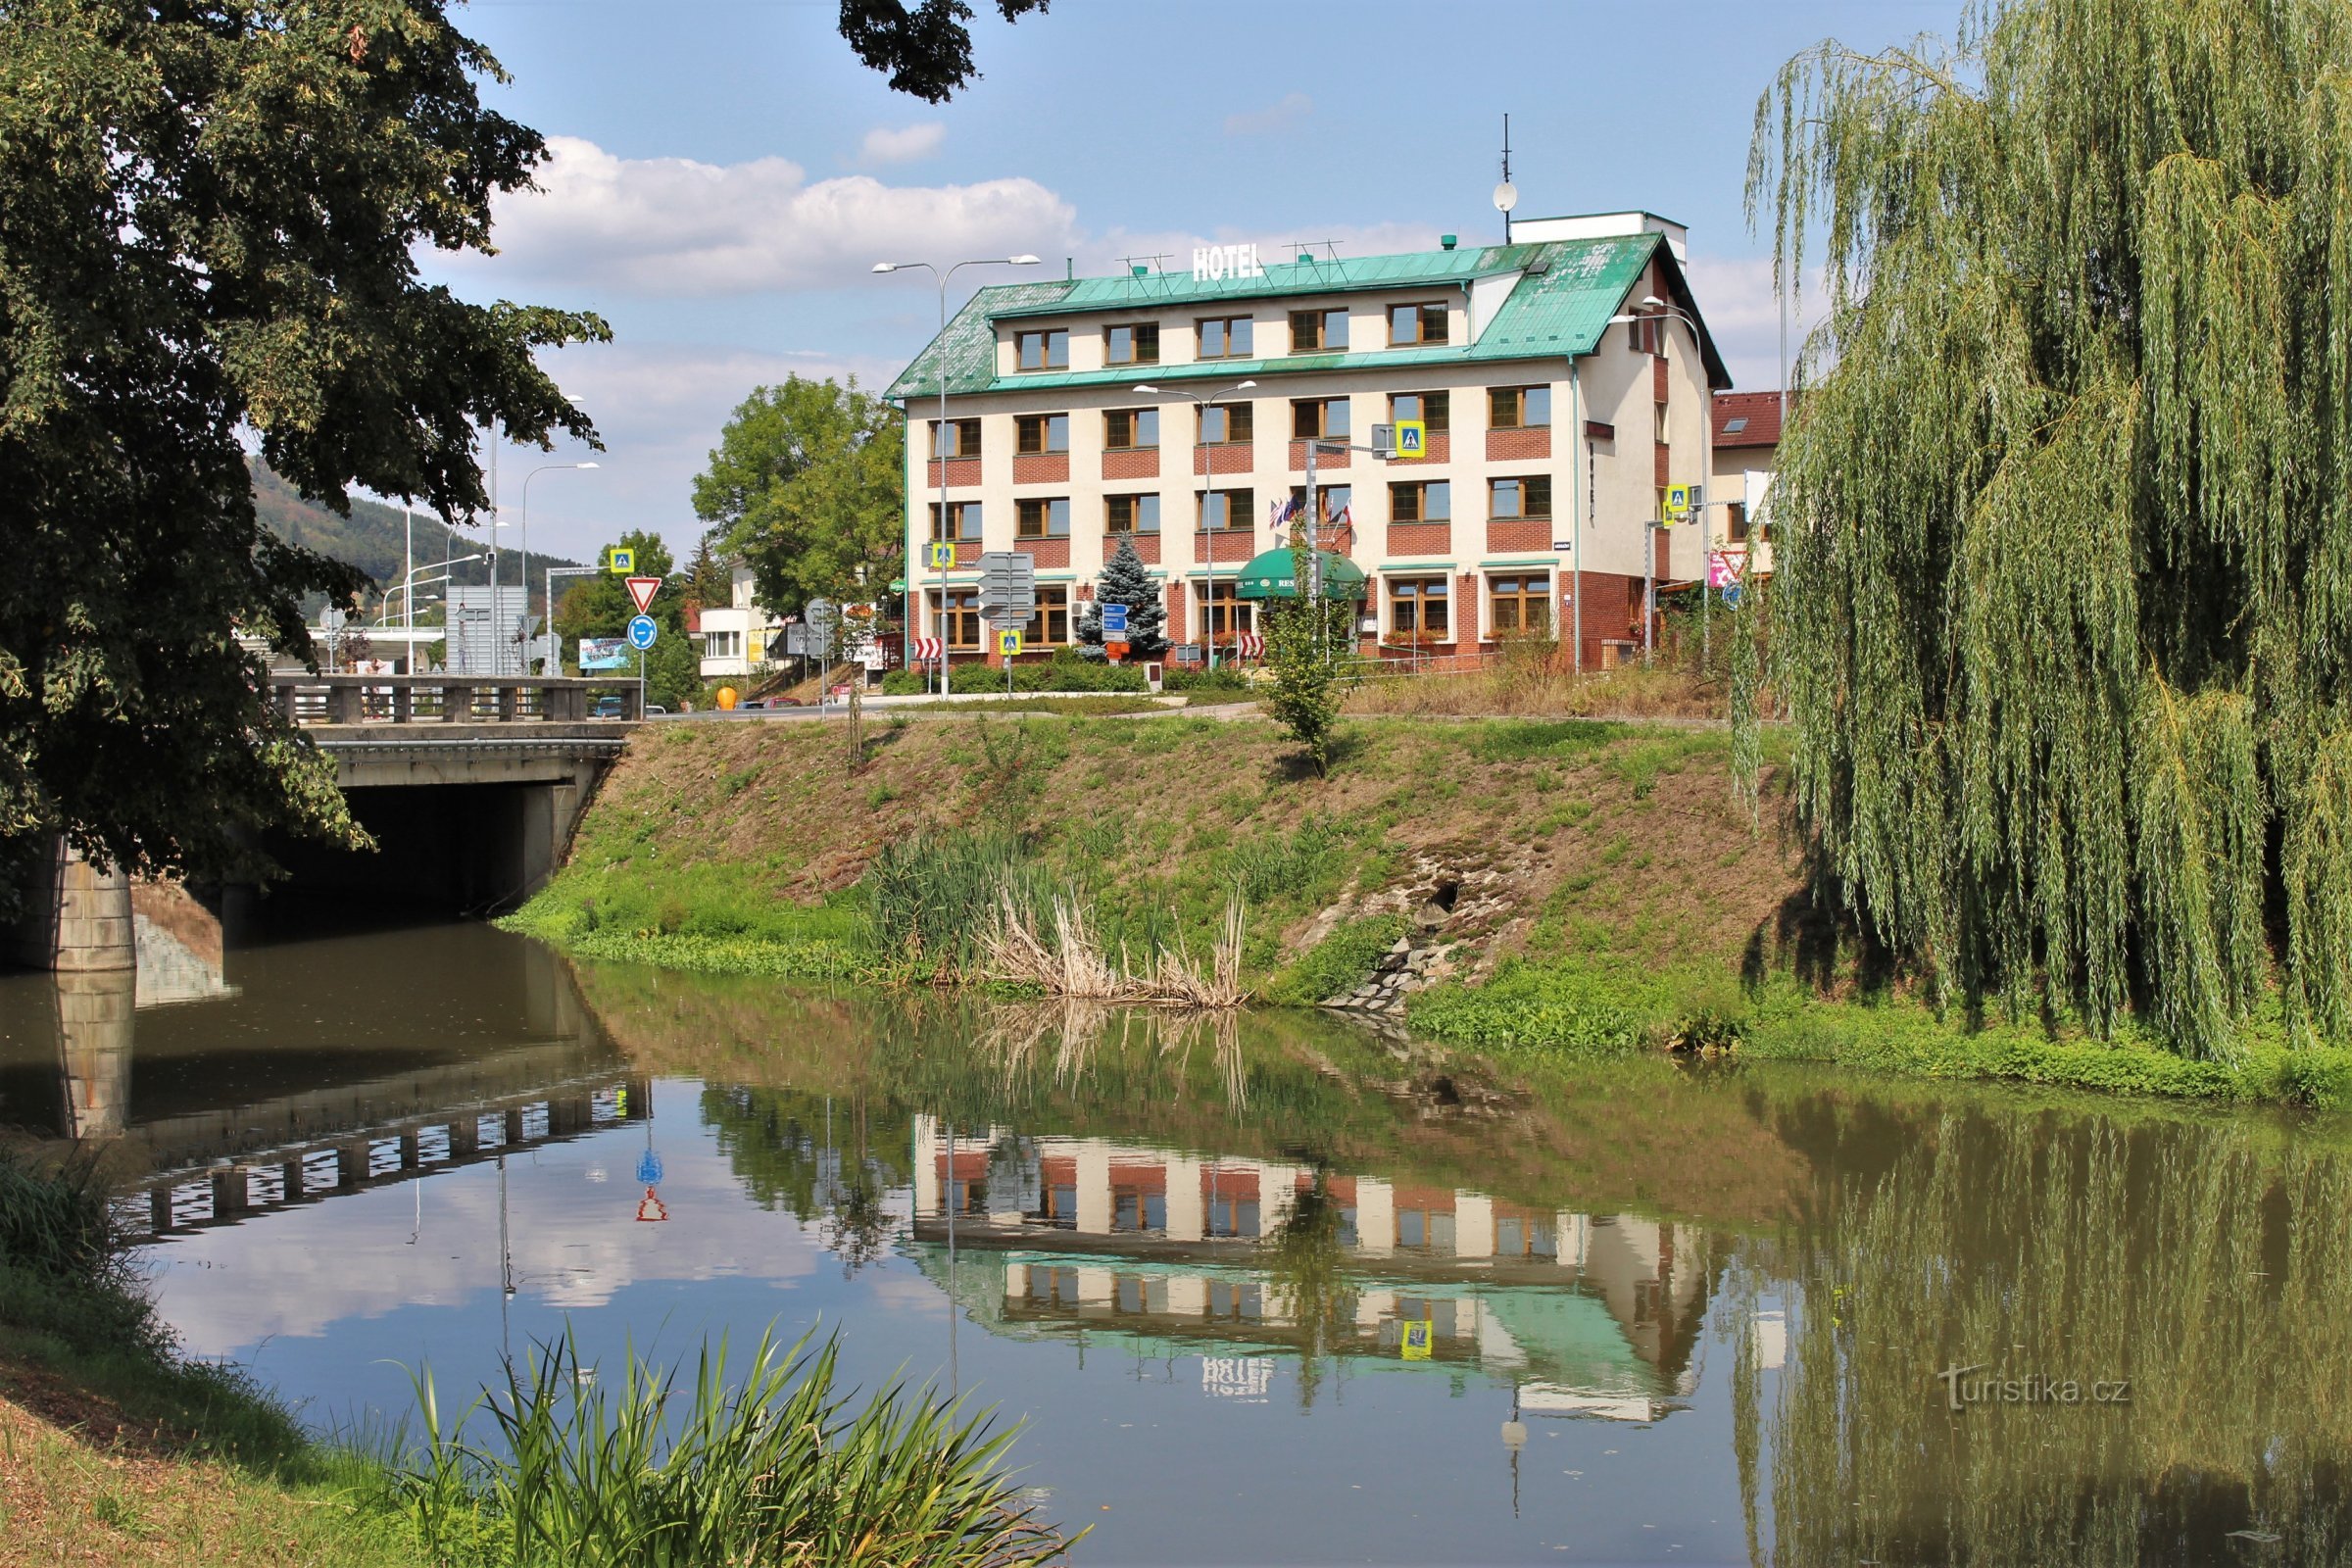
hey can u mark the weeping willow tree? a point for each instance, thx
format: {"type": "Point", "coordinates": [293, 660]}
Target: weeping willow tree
{"type": "Point", "coordinates": [2063, 597]}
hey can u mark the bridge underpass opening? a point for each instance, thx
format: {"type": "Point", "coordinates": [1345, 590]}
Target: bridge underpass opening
{"type": "Point", "coordinates": [452, 849]}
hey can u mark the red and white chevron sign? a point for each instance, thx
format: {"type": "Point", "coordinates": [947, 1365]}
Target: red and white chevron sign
{"type": "Point", "coordinates": [926, 650]}
{"type": "Point", "coordinates": [1249, 645]}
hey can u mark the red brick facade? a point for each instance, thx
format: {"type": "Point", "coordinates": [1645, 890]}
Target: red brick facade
{"type": "Point", "coordinates": [1438, 445]}
{"type": "Point", "coordinates": [1138, 464]}
{"type": "Point", "coordinates": [1518, 534]}
{"type": "Point", "coordinates": [1420, 538]}
{"type": "Point", "coordinates": [1230, 458]}
{"type": "Point", "coordinates": [959, 472]}
{"type": "Point", "coordinates": [1466, 609]}
{"type": "Point", "coordinates": [1519, 446]}
{"type": "Point", "coordinates": [1328, 460]}
{"type": "Point", "coordinates": [1174, 632]}
{"type": "Point", "coordinates": [1146, 546]}
{"type": "Point", "coordinates": [1045, 552]}
{"type": "Point", "coordinates": [1236, 545]}
{"type": "Point", "coordinates": [967, 552]}
{"type": "Point", "coordinates": [1041, 468]}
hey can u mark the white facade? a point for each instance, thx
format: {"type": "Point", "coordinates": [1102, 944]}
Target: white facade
{"type": "Point", "coordinates": [737, 639]}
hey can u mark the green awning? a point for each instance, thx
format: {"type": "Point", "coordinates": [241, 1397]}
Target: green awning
{"type": "Point", "coordinates": [1269, 576]}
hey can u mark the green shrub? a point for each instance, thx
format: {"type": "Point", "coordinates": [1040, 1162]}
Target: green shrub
{"type": "Point", "coordinates": [1223, 678]}
{"type": "Point", "coordinates": [1532, 1006]}
{"type": "Point", "coordinates": [1337, 965]}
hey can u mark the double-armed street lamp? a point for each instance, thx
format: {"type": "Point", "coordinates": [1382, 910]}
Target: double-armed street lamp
{"type": "Point", "coordinates": [939, 432]}
{"type": "Point", "coordinates": [1655, 309]}
{"type": "Point", "coordinates": [1208, 486]}
{"type": "Point", "coordinates": [523, 521]}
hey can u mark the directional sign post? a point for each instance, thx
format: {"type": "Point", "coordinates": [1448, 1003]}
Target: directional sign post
{"type": "Point", "coordinates": [1115, 621]}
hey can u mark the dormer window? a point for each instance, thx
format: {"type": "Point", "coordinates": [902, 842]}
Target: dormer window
{"type": "Point", "coordinates": [1131, 343]}
{"type": "Point", "coordinates": [1413, 326]}
{"type": "Point", "coordinates": [1225, 337]}
{"type": "Point", "coordinates": [1318, 331]}
{"type": "Point", "coordinates": [1044, 350]}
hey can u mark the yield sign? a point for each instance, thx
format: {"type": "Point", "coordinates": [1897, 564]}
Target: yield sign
{"type": "Point", "coordinates": [642, 589]}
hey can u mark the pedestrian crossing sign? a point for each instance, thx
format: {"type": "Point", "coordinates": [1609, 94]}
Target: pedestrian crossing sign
{"type": "Point", "coordinates": [1412, 438]}
{"type": "Point", "coordinates": [1009, 642]}
{"type": "Point", "coordinates": [620, 563]}
{"type": "Point", "coordinates": [1416, 1343]}
{"type": "Point", "coordinates": [1678, 501]}
{"type": "Point", "coordinates": [943, 554]}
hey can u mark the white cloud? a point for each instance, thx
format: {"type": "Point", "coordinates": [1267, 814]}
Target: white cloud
{"type": "Point", "coordinates": [674, 226]}
{"type": "Point", "coordinates": [1257, 121]}
{"type": "Point", "coordinates": [1736, 296]}
{"type": "Point", "coordinates": [882, 145]}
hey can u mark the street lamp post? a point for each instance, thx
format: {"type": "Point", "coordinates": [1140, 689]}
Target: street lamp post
{"type": "Point", "coordinates": [522, 571]}
{"type": "Point", "coordinates": [939, 431]}
{"type": "Point", "coordinates": [1653, 309]}
{"type": "Point", "coordinates": [1208, 485]}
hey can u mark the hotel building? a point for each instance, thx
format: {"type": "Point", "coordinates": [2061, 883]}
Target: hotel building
{"type": "Point", "coordinates": [1552, 426]}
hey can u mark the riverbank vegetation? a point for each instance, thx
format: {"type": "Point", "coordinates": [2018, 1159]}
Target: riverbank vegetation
{"type": "Point", "coordinates": [1592, 887]}
{"type": "Point", "coordinates": [114, 1449]}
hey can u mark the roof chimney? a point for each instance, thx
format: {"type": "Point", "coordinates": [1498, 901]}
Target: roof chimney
{"type": "Point", "coordinates": [1448, 241]}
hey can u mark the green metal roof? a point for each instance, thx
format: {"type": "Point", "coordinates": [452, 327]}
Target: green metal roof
{"type": "Point", "coordinates": [1559, 305]}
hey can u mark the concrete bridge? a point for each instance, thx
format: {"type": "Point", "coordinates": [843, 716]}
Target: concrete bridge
{"type": "Point", "coordinates": [471, 785]}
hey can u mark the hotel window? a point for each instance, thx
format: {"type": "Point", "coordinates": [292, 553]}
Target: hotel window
{"type": "Point", "coordinates": [1421, 501]}
{"type": "Point", "coordinates": [1418, 609]}
{"type": "Point", "coordinates": [1318, 331]}
{"type": "Point", "coordinates": [1519, 408]}
{"type": "Point", "coordinates": [1222, 511]}
{"type": "Point", "coordinates": [1137, 343]}
{"type": "Point", "coordinates": [1521, 605]}
{"type": "Point", "coordinates": [1413, 324]}
{"type": "Point", "coordinates": [1433, 410]}
{"type": "Point", "coordinates": [963, 518]}
{"type": "Point", "coordinates": [1049, 627]}
{"type": "Point", "coordinates": [1530, 497]}
{"type": "Point", "coordinates": [1130, 430]}
{"type": "Point", "coordinates": [1225, 424]}
{"type": "Point", "coordinates": [956, 438]}
{"type": "Point", "coordinates": [1040, 432]}
{"type": "Point", "coordinates": [1225, 337]}
{"type": "Point", "coordinates": [1131, 513]}
{"type": "Point", "coordinates": [1043, 518]}
{"type": "Point", "coordinates": [1233, 1216]}
{"type": "Point", "coordinates": [1738, 511]}
{"type": "Point", "coordinates": [963, 617]}
{"type": "Point", "coordinates": [1043, 350]}
{"type": "Point", "coordinates": [1319, 418]}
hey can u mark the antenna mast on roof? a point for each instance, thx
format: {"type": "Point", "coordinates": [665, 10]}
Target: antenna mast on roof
{"type": "Point", "coordinates": [1302, 250]}
{"type": "Point", "coordinates": [1506, 194]}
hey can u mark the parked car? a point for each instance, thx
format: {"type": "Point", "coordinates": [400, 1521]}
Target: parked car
{"type": "Point", "coordinates": [605, 707]}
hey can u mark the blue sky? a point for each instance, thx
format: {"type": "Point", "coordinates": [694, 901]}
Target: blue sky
{"type": "Point", "coordinates": [726, 173]}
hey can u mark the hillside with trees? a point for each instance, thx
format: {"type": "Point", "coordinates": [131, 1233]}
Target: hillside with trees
{"type": "Point", "coordinates": [374, 537]}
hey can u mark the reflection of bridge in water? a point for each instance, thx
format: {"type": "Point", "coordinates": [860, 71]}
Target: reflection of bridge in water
{"type": "Point", "coordinates": [245, 1099]}
{"type": "Point", "coordinates": [1580, 1314]}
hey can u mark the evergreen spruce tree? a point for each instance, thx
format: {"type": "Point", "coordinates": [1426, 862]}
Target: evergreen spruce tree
{"type": "Point", "coordinates": [1126, 580]}
{"type": "Point", "coordinates": [2062, 603]}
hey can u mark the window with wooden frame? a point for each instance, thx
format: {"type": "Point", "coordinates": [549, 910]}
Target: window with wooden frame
{"type": "Point", "coordinates": [1046, 518]}
{"type": "Point", "coordinates": [1318, 331]}
{"type": "Point", "coordinates": [1421, 501]}
{"type": "Point", "coordinates": [1224, 511]}
{"type": "Point", "coordinates": [1520, 604]}
{"type": "Point", "coordinates": [1411, 326]}
{"type": "Point", "coordinates": [1519, 408]}
{"type": "Point", "coordinates": [1331, 500]}
{"type": "Point", "coordinates": [1130, 430]}
{"type": "Point", "coordinates": [1738, 522]}
{"type": "Point", "coordinates": [1434, 409]}
{"type": "Point", "coordinates": [1319, 418]}
{"type": "Point", "coordinates": [1131, 343]}
{"type": "Point", "coordinates": [1033, 433]}
{"type": "Point", "coordinates": [1419, 610]}
{"type": "Point", "coordinates": [1047, 348]}
{"type": "Point", "coordinates": [1136, 513]}
{"type": "Point", "coordinates": [961, 625]}
{"type": "Point", "coordinates": [963, 519]}
{"type": "Point", "coordinates": [1049, 627]}
{"type": "Point", "coordinates": [1224, 337]}
{"type": "Point", "coordinates": [1646, 335]}
{"type": "Point", "coordinates": [1529, 497]}
{"type": "Point", "coordinates": [1224, 612]}
{"type": "Point", "coordinates": [955, 438]}
{"type": "Point", "coordinates": [1226, 424]}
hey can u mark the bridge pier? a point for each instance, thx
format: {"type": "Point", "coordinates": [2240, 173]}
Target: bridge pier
{"type": "Point", "coordinates": [79, 920]}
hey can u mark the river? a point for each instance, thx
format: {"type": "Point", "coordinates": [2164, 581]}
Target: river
{"type": "Point", "coordinates": [1268, 1290]}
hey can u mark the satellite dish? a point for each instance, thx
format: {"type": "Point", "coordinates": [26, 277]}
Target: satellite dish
{"type": "Point", "coordinates": [1506, 196]}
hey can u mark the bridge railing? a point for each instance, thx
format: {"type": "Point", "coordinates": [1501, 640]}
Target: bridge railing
{"type": "Point", "coordinates": [450, 699]}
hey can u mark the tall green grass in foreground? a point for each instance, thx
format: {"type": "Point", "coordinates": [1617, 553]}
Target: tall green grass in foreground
{"type": "Point", "coordinates": [775, 1468]}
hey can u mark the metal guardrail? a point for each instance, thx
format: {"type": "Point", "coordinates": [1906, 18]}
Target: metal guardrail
{"type": "Point", "coordinates": [450, 699]}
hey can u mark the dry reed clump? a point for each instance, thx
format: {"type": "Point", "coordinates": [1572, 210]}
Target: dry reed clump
{"type": "Point", "coordinates": [1081, 1027]}
{"type": "Point", "coordinates": [1072, 961]}
{"type": "Point", "coordinates": [1539, 681]}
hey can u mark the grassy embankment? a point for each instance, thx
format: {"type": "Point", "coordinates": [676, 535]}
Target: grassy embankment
{"type": "Point", "coordinates": [114, 1449]}
{"type": "Point", "coordinates": [1610, 894]}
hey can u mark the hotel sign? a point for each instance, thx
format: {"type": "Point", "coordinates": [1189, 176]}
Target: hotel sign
{"type": "Point", "coordinates": [1213, 264]}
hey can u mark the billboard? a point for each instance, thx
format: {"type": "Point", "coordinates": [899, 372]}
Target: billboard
{"type": "Point", "coordinates": [606, 652]}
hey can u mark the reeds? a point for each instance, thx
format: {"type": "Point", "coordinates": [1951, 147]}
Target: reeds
{"type": "Point", "coordinates": [1072, 963]}
{"type": "Point", "coordinates": [774, 1469]}
{"type": "Point", "coordinates": [931, 900]}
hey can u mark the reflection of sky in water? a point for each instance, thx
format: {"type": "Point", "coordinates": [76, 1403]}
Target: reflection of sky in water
{"type": "Point", "coordinates": [332, 1301]}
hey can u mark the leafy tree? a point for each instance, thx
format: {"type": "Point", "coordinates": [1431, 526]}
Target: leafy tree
{"type": "Point", "coordinates": [601, 606]}
{"type": "Point", "coordinates": [806, 485]}
{"type": "Point", "coordinates": [1305, 639]}
{"type": "Point", "coordinates": [1126, 580]}
{"type": "Point", "coordinates": [926, 52]}
{"type": "Point", "coordinates": [2063, 533]}
{"type": "Point", "coordinates": [212, 214]}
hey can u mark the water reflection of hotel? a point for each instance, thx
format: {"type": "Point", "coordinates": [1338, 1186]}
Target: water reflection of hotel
{"type": "Point", "coordinates": [1581, 1315]}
